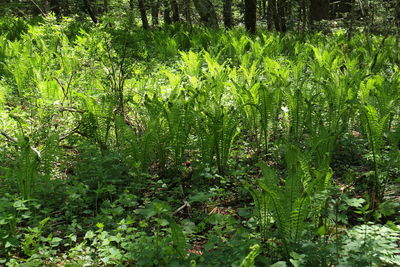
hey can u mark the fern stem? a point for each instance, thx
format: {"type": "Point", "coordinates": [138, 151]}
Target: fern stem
{"type": "Point", "coordinates": [374, 195]}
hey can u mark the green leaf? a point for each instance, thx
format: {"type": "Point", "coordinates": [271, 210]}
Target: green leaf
{"type": "Point", "coordinates": [322, 230]}
{"type": "Point", "coordinates": [89, 235]}
{"type": "Point", "coordinates": [355, 202]}
{"type": "Point", "coordinates": [279, 264]}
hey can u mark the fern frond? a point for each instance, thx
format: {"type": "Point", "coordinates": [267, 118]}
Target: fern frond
{"type": "Point", "coordinates": [178, 238]}
{"type": "Point", "coordinates": [261, 207]}
{"type": "Point", "coordinates": [375, 126]}
{"type": "Point", "coordinates": [298, 215]}
{"type": "Point", "coordinates": [250, 258]}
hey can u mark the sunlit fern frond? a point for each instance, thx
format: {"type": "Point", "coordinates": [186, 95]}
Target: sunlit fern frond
{"type": "Point", "coordinates": [375, 126]}
{"type": "Point", "coordinates": [298, 215]}
{"type": "Point", "coordinates": [250, 258]}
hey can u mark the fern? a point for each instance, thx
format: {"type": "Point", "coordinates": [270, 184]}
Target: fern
{"type": "Point", "coordinates": [250, 258]}
{"type": "Point", "coordinates": [289, 204]}
{"type": "Point", "coordinates": [261, 207]}
{"type": "Point", "coordinates": [26, 168]}
{"type": "Point", "coordinates": [179, 117]}
{"type": "Point", "coordinates": [178, 238]}
{"type": "Point", "coordinates": [268, 108]}
{"type": "Point", "coordinates": [375, 128]}
{"type": "Point", "coordinates": [191, 63]}
{"type": "Point", "coordinates": [295, 102]}
{"type": "Point", "coordinates": [3, 95]}
{"type": "Point", "coordinates": [223, 127]}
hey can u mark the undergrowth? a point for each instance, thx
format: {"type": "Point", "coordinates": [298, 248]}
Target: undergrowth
{"type": "Point", "coordinates": [196, 147]}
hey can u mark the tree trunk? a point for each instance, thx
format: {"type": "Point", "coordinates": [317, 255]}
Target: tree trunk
{"type": "Point", "coordinates": [228, 21]}
{"type": "Point", "coordinates": [275, 19]}
{"type": "Point", "coordinates": [264, 8]}
{"type": "Point", "coordinates": [397, 14]}
{"type": "Point", "coordinates": [276, 15]}
{"type": "Point", "coordinates": [303, 16]}
{"type": "Point", "coordinates": [155, 10]}
{"type": "Point", "coordinates": [167, 11]}
{"type": "Point", "coordinates": [143, 15]}
{"type": "Point", "coordinates": [319, 10]}
{"type": "Point", "coordinates": [207, 13]}
{"type": "Point", "coordinates": [175, 11]}
{"type": "Point", "coordinates": [250, 15]}
{"type": "Point", "coordinates": [281, 15]}
{"type": "Point", "coordinates": [340, 7]}
{"type": "Point", "coordinates": [90, 11]}
{"type": "Point", "coordinates": [271, 14]}
{"type": "Point", "coordinates": [188, 11]}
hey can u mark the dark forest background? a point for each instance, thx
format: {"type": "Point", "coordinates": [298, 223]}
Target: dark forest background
{"type": "Point", "coordinates": [281, 16]}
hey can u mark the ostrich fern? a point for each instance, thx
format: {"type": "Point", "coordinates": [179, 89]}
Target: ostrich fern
{"type": "Point", "coordinates": [375, 127]}
{"type": "Point", "coordinates": [289, 205]}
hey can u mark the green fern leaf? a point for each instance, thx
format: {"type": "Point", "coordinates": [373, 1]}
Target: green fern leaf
{"type": "Point", "coordinates": [178, 238]}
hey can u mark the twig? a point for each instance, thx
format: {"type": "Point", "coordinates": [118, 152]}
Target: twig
{"type": "Point", "coordinates": [61, 109]}
{"type": "Point", "coordinates": [9, 138]}
{"type": "Point", "coordinates": [75, 130]}
{"type": "Point", "coordinates": [185, 204]}
{"type": "Point", "coordinates": [41, 11]}
{"type": "Point", "coordinates": [15, 140]}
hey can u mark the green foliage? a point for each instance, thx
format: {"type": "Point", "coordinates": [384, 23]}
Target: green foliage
{"type": "Point", "coordinates": [377, 243]}
{"type": "Point", "coordinates": [289, 205]}
{"type": "Point", "coordinates": [249, 260]}
{"type": "Point", "coordinates": [178, 237]}
{"type": "Point", "coordinates": [121, 146]}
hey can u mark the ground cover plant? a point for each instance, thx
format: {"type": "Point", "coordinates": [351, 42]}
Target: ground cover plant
{"type": "Point", "coordinates": [192, 146]}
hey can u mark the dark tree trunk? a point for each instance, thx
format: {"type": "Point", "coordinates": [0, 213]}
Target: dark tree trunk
{"type": "Point", "coordinates": [228, 21]}
{"type": "Point", "coordinates": [319, 10]}
{"type": "Point", "coordinates": [143, 15]}
{"type": "Point", "coordinates": [90, 11]}
{"type": "Point", "coordinates": [175, 11]}
{"type": "Point", "coordinates": [281, 15]}
{"type": "Point", "coordinates": [167, 11]}
{"type": "Point", "coordinates": [303, 16]}
{"type": "Point", "coordinates": [250, 15]}
{"type": "Point", "coordinates": [271, 14]}
{"type": "Point", "coordinates": [155, 10]}
{"type": "Point", "coordinates": [188, 11]}
{"type": "Point", "coordinates": [264, 8]}
{"type": "Point", "coordinates": [338, 8]}
{"type": "Point", "coordinates": [275, 16]}
{"type": "Point", "coordinates": [397, 14]}
{"type": "Point", "coordinates": [207, 13]}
